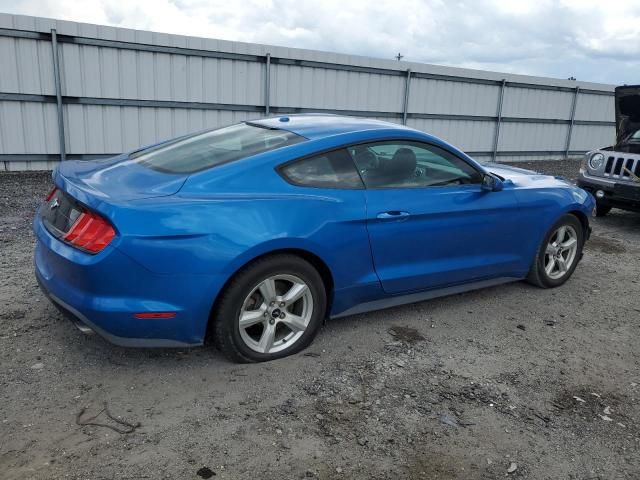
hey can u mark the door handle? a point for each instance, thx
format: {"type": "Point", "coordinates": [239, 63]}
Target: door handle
{"type": "Point", "coordinates": [393, 215]}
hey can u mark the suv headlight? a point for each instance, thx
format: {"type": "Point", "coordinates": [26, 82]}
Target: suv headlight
{"type": "Point", "coordinates": [596, 161]}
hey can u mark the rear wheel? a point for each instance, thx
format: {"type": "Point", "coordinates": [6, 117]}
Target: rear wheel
{"type": "Point", "coordinates": [270, 309]}
{"type": "Point", "coordinates": [602, 210]}
{"type": "Point", "coordinates": [558, 254]}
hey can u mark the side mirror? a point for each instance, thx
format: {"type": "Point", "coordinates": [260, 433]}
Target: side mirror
{"type": "Point", "coordinates": [491, 183]}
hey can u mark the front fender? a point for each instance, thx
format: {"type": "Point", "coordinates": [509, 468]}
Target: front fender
{"type": "Point", "coordinates": [542, 207]}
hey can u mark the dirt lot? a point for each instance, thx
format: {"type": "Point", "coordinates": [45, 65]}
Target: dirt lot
{"type": "Point", "coordinates": [465, 387]}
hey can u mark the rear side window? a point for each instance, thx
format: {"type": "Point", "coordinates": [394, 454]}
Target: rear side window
{"type": "Point", "coordinates": [205, 150]}
{"type": "Point", "coordinates": [328, 170]}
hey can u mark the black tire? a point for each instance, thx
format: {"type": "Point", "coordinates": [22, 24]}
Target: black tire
{"type": "Point", "coordinates": [602, 210]}
{"type": "Point", "coordinates": [226, 315]}
{"type": "Point", "coordinates": [537, 274]}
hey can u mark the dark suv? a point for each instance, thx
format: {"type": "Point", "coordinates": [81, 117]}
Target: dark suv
{"type": "Point", "coordinates": [612, 174]}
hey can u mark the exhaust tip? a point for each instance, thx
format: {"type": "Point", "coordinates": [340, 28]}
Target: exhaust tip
{"type": "Point", "coordinates": [83, 328]}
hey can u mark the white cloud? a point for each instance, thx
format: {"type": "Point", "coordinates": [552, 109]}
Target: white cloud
{"type": "Point", "coordinates": [589, 39]}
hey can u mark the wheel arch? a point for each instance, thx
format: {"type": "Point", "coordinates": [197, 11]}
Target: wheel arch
{"type": "Point", "coordinates": [584, 221]}
{"type": "Point", "coordinates": [315, 260]}
{"type": "Point", "coordinates": [576, 212]}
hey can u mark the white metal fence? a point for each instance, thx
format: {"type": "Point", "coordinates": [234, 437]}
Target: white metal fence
{"type": "Point", "coordinates": [80, 91]}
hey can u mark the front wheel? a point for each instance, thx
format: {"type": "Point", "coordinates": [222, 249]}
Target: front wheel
{"type": "Point", "coordinates": [558, 254]}
{"type": "Point", "coordinates": [270, 309]}
{"type": "Point", "coordinates": [602, 210]}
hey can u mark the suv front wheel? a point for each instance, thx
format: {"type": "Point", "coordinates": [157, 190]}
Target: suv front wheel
{"type": "Point", "coordinates": [602, 210]}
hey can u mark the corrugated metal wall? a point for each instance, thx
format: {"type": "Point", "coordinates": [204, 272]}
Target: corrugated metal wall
{"type": "Point", "coordinates": [120, 89]}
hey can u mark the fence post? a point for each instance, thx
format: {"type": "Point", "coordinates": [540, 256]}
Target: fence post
{"type": "Point", "coordinates": [405, 107]}
{"type": "Point", "coordinates": [267, 84]}
{"type": "Point", "coordinates": [567, 146]}
{"type": "Point", "coordinates": [56, 78]}
{"type": "Point", "coordinates": [496, 136]}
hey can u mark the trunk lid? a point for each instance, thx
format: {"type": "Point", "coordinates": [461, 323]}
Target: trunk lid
{"type": "Point", "coordinates": [120, 178]}
{"type": "Point", "coordinates": [59, 212]}
{"type": "Point", "coordinates": [627, 113]}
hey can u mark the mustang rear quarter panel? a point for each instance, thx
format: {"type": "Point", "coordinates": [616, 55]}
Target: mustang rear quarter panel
{"type": "Point", "coordinates": [245, 210]}
{"type": "Point", "coordinates": [108, 288]}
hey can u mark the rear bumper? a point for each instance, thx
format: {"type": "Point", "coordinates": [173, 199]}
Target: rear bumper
{"type": "Point", "coordinates": [88, 327]}
{"type": "Point", "coordinates": [101, 293]}
{"type": "Point", "coordinates": [614, 195]}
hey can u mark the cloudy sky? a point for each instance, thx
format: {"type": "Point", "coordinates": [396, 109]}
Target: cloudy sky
{"type": "Point", "coordinates": [592, 40]}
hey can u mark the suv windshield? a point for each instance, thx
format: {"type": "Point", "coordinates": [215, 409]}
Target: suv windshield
{"type": "Point", "coordinates": [214, 147]}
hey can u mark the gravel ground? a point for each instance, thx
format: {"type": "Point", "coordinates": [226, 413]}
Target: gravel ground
{"type": "Point", "coordinates": [542, 382]}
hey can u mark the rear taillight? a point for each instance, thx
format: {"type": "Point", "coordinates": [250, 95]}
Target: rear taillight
{"type": "Point", "coordinates": [51, 194]}
{"type": "Point", "coordinates": [90, 232]}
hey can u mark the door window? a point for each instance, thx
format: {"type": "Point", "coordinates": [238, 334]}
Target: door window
{"type": "Point", "coordinates": [402, 164]}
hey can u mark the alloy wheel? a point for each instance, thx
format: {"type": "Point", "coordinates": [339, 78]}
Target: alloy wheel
{"type": "Point", "coordinates": [561, 251]}
{"type": "Point", "coordinates": [275, 315]}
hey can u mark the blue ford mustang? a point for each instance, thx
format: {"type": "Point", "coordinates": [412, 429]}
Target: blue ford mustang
{"type": "Point", "coordinates": [251, 235]}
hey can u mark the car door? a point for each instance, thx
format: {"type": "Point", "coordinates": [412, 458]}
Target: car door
{"type": "Point", "coordinates": [430, 223]}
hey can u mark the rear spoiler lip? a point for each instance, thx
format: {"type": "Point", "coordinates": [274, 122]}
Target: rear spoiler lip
{"type": "Point", "coordinates": [81, 192]}
{"type": "Point", "coordinates": [96, 199]}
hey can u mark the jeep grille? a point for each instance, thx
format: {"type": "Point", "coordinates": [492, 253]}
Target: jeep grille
{"type": "Point", "coordinates": [619, 167]}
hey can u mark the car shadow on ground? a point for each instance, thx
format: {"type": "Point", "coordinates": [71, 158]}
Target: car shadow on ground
{"type": "Point", "coordinates": [363, 327]}
{"type": "Point", "coordinates": [620, 220]}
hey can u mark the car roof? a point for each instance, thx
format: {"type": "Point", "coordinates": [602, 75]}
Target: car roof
{"type": "Point", "coordinates": [314, 126]}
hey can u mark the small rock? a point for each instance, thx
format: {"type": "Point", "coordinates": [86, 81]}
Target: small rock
{"type": "Point", "coordinates": [362, 441]}
{"type": "Point", "coordinates": [489, 461]}
{"type": "Point", "coordinates": [205, 472]}
{"type": "Point", "coordinates": [449, 420]}
{"type": "Point", "coordinates": [338, 470]}
{"type": "Point", "coordinates": [309, 473]}
{"type": "Point", "coordinates": [578, 399]}
{"type": "Point", "coordinates": [606, 418]}
{"type": "Point", "coordinates": [607, 410]}
{"type": "Point", "coordinates": [278, 431]}
{"type": "Point", "coordinates": [512, 468]}
{"type": "Point", "coordinates": [400, 363]}
{"type": "Point", "coordinates": [37, 366]}
{"type": "Point", "coordinates": [521, 327]}
{"type": "Point", "coordinates": [319, 416]}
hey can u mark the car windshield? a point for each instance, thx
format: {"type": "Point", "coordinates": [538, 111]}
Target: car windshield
{"type": "Point", "coordinates": [635, 137]}
{"type": "Point", "coordinates": [214, 147]}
